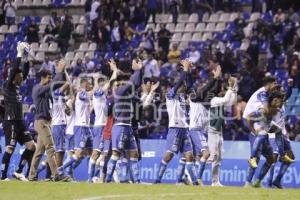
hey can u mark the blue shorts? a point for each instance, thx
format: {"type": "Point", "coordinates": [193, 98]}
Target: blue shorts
{"type": "Point", "coordinates": [273, 145]}
{"type": "Point", "coordinates": [97, 137]}
{"type": "Point", "coordinates": [83, 138]}
{"type": "Point", "coordinates": [105, 146]}
{"type": "Point", "coordinates": [69, 142]}
{"type": "Point", "coordinates": [59, 132]}
{"type": "Point", "coordinates": [178, 140]}
{"type": "Point", "coordinates": [266, 148]}
{"type": "Point", "coordinates": [123, 138]}
{"type": "Point", "coordinates": [199, 141]}
{"type": "Point", "coordinates": [286, 145]}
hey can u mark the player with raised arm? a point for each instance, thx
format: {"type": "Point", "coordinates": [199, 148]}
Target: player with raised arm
{"type": "Point", "coordinates": [123, 141]}
{"type": "Point", "coordinates": [215, 128]}
{"type": "Point", "coordinates": [13, 124]}
{"type": "Point", "coordinates": [178, 139]}
{"type": "Point", "coordinates": [99, 104]}
{"type": "Point", "coordinates": [199, 120]}
{"type": "Point", "coordinates": [260, 123]}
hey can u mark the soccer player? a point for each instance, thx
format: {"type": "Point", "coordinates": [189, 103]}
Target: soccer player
{"type": "Point", "coordinates": [199, 119]}
{"type": "Point", "coordinates": [123, 140]}
{"type": "Point", "coordinates": [260, 123]}
{"type": "Point", "coordinates": [178, 139]}
{"type": "Point", "coordinates": [215, 128]}
{"type": "Point", "coordinates": [59, 122]}
{"type": "Point", "coordinates": [42, 96]}
{"type": "Point", "coordinates": [100, 108]}
{"type": "Point", "coordinates": [13, 124]}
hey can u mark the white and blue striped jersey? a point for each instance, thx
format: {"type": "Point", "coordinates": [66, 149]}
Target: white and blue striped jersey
{"type": "Point", "coordinates": [279, 121]}
{"type": "Point", "coordinates": [199, 118]}
{"type": "Point", "coordinates": [100, 108]}
{"type": "Point", "coordinates": [177, 110]}
{"type": "Point", "coordinates": [82, 109]}
{"type": "Point", "coordinates": [258, 99]}
{"type": "Point", "coordinates": [58, 109]}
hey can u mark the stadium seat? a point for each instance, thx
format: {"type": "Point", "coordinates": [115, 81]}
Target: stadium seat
{"type": "Point", "coordinates": [13, 29]}
{"type": "Point", "coordinates": [37, 2]}
{"type": "Point", "coordinates": [183, 18]}
{"type": "Point", "coordinates": [40, 56]}
{"type": "Point", "coordinates": [69, 56]}
{"type": "Point", "coordinates": [75, 2]}
{"type": "Point", "coordinates": [179, 28]}
{"type": "Point", "coordinates": [197, 37]}
{"type": "Point", "coordinates": [220, 27]}
{"type": "Point", "coordinates": [150, 25]}
{"type": "Point", "coordinates": [93, 47]}
{"type": "Point", "coordinates": [79, 29]}
{"type": "Point", "coordinates": [3, 29]}
{"type": "Point", "coordinates": [193, 18]}
{"type": "Point", "coordinates": [27, 3]}
{"type": "Point", "coordinates": [45, 20]}
{"type": "Point", "coordinates": [53, 47]}
{"type": "Point", "coordinates": [225, 17]}
{"type": "Point", "coordinates": [43, 47]}
{"type": "Point", "coordinates": [157, 28]}
{"type": "Point", "coordinates": [214, 18]}
{"type": "Point", "coordinates": [210, 27]}
{"type": "Point", "coordinates": [42, 28]}
{"type": "Point", "coordinates": [183, 45]}
{"type": "Point", "coordinates": [19, 2]}
{"type": "Point", "coordinates": [34, 46]}
{"type": "Point", "coordinates": [82, 2]}
{"type": "Point", "coordinates": [245, 45]}
{"type": "Point", "coordinates": [233, 16]}
{"type": "Point", "coordinates": [248, 30]}
{"type": "Point", "coordinates": [90, 54]}
{"type": "Point", "coordinates": [170, 27]}
{"type": "Point", "coordinates": [200, 27]}
{"type": "Point", "coordinates": [82, 20]}
{"type": "Point", "coordinates": [83, 46]}
{"type": "Point", "coordinates": [254, 17]}
{"type": "Point", "coordinates": [205, 17]}
{"type": "Point", "coordinates": [46, 2]}
{"type": "Point", "coordinates": [206, 36]}
{"type": "Point", "coordinates": [79, 55]}
{"type": "Point", "coordinates": [176, 37]}
{"type": "Point", "coordinates": [75, 19]}
{"type": "Point", "coordinates": [189, 27]}
{"type": "Point", "coordinates": [186, 37]}
{"type": "Point", "coordinates": [2, 38]}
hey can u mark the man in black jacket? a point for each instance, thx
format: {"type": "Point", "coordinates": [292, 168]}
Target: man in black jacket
{"type": "Point", "coordinates": [13, 124]}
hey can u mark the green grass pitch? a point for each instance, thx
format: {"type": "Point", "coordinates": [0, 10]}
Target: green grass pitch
{"type": "Point", "coordinates": [83, 191]}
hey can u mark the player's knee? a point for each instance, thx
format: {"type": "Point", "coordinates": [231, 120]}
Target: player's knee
{"type": "Point", "coordinates": [168, 156]}
{"type": "Point", "coordinates": [116, 154]}
{"type": "Point", "coordinates": [189, 157]}
{"type": "Point", "coordinates": [31, 146]}
{"type": "Point", "coordinates": [291, 154]}
{"type": "Point", "coordinates": [271, 160]}
{"type": "Point", "coordinates": [9, 149]}
{"type": "Point", "coordinates": [275, 157]}
{"type": "Point", "coordinates": [205, 154]}
{"type": "Point", "coordinates": [95, 155]}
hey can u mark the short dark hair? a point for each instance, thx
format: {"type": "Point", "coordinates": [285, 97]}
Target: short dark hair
{"type": "Point", "coordinates": [101, 79]}
{"type": "Point", "coordinates": [44, 73]}
{"type": "Point", "coordinates": [268, 80]}
{"type": "Point", "coordinates": [84, 79]}
{"type": "Point", "coordinates": [275, 94]}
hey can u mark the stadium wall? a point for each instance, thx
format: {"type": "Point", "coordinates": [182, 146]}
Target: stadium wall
{"type": "Point", "coordinates": [233, 169]}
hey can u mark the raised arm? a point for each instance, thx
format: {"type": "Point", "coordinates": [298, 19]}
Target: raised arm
{"type": "Point", "coordinates": [229, 97]}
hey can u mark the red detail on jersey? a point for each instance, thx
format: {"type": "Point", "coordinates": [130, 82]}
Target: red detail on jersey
{"type": "Point", "coordinates": [108, 127]}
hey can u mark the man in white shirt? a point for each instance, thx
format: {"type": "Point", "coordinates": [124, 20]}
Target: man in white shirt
{"type": "Point", "coordinates": [10, 12]}
{"type": "Point", "coordinates": [194, 55]}
{"type": "Point", "coordinates": [94, 13]}
{"type": "Point", "coordinates": [151, 67]}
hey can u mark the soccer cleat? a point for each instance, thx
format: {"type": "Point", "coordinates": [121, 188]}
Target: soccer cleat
{"type": "Point", "coordinates": [287, 159]}
{"type": "Point", "coordinates": [248, 185]}
{"type": "Point", "coordinates": [33, 179]}
{"type": "Point", "coordinates": [200, 182]}
{"type": "Point", "coordinates": [257, 184]}
{"type": "Point", "coordinates": [217, 184]}
{"type": "Point", "coordinates": [61, 178]}
{"type": "Point", "coordinates": [277, 185]}
{"type": "Point", "coordinates": [6, 179]}
{"type": "Point", "coordinates": [20, 177]}
{"type": "Point", "coordinates": [95, 179]}
{"type": "Point", "coordinates": [180, 183]}
{"type": "Point", "coordinates": [157, 182]}
{"type": "Point", "coordinates": [253, 162]}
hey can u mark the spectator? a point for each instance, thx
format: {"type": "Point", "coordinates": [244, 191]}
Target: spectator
{"type": "Point", "coordinates": [125, 63]}
{"type": "Point", "coordinates": [279, 17]}
{"type": "Point", "coordinates": [2, 17]}
{"type": "Point", "coordinates": [10, 9]}
{"type": "Point", "coordinates": [174, 54]}
{"type": "Point", "coordinates": [293, 16]}
{"type": "Point", "coordinates": [116, 37]}
{"type": "Point", "coordinates": [129, 32]}
{"type": "Point", "coordinates": [174, 10]}
{"type": "Point", "coordinates": [65, 35]}
{"type": "Point", "coordinates": [253, 49]}
{"type": "Point", "coordinates": [194, 55]}
{"type": "Point", "coordinates": [149, 40]}
{"type": "Point", "coordinates": [49, 65]}
{"type": "Point", "coordinates": [32, 32]}
{"type": "Point", "coordinates": [256, 6]}
{"type": "Point", "coordinates": [201, 7]}
{"type": "Point", "coordinates": [151, 68]}
{"type": "Point", "coordinates": [164, 36]}
{"type": "Point", "coordinates": [78, 68]}
{"type": "Point", "coordinates": [151, 9]}
{"type": "Point", "coordinates": [93, 13]}
{"type": "Point", "coordinates": [89, 65]}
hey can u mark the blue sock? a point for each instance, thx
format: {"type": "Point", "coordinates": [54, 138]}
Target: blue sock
{"type": "Point", "coordinates": [91, 169]}
{"type": "Point", "coordinates": [111, 166]}
{"type": "Point", "coordinates": [263, 171]}
{"type": "Point", "coordinates": [42, 167]}
{"type": "Point", "coordinates": [180, 170]}
{"type": "Point", "coordinates": [257, 144]}
{"type": "Point", "coordinates": [279, 139]}
{"type": "Point", "coordinates": [68, 163]}
{"type": "Point", "coordinates": [135, 170]}
{"type": "Point", "coordinates": [97, 170]}
{"type": "Point", "coordinates": [270, 179]}
{"type": "Point", "coordinates": [123, 170]}
{"type": "Point", "coordinates": [282, 170]}
{"type": "Point", "coordinates": [129, 174]}
{"type": "Point", "coordinates": [161, 171]}
{"type": "Point", "coordinates": [190, 166]}
{"type": "Point", "coordinates": [76, 164]}
{"type": "Point", "coordinates": [250, 174]}
{"type": "Point", "coordinates": [201, 169]}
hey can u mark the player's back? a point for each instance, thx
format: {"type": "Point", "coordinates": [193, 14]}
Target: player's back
{"type": "Point", "coordinates": [199, 117]}
{"type": "Point", "coordinates": [82, 109]}
{"type": "Point", "coordinates": [100, 108]}
{"type": "Point", "coordinates": [257, 100]}
{"type": "Point", "coordinates": [58, 109]}
{"type": "Point", "coordinates": [177, 111]}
